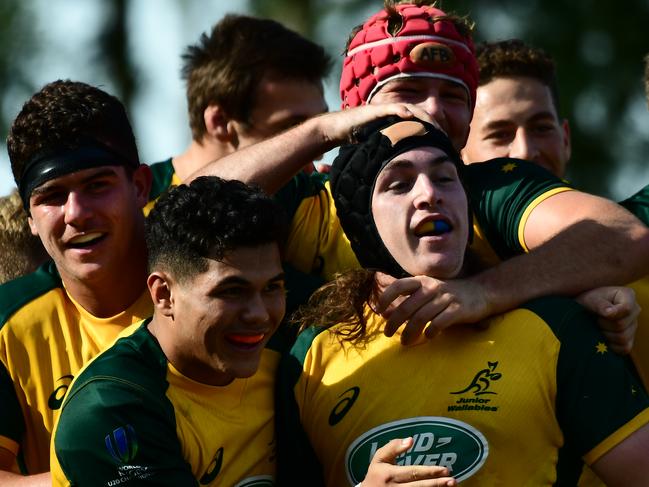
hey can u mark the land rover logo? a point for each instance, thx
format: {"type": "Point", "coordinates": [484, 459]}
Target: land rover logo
{"type": "Point", "coordinates": [258, 481]}
{"type": "Point", "coordinates": [438, 441]}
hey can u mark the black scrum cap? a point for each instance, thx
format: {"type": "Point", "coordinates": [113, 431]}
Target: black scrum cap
{"type": "Point", "coordinates": [354, 173]}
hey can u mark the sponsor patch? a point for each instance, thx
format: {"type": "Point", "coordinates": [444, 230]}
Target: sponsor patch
{"type": "Point", "coordinates": [440, 441]}
{"type": "Point", "coordinates": [432, 55]}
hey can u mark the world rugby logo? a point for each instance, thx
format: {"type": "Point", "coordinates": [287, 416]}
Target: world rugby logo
{"type": "Point", "coordinates": [437, 441]}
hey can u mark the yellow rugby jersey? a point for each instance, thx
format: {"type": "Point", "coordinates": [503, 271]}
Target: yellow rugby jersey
{"type": "Point", "coordinates": [522, 402]}
{"type": "Point", "coordinates": [45, 339]}
{"type": "Point", "coordinates": [131, 417]}
{"type": "Point", "coordinates": [502, 194]}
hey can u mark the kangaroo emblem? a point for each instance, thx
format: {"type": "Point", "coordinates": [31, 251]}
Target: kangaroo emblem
{"type": "Point", "coordinates": [482, 380]}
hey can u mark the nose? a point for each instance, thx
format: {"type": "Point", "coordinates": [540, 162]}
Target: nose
{"type": "Point", "coordinates": [523, 147]}
{"type": "Point", "coordinates": [432, 105]}
{"type": "Point", "coordinates": [76, 209]}
{"type": "Point", "coordinates": [425, 193]}
{"type": "Point", "coordinates": [256, 310]}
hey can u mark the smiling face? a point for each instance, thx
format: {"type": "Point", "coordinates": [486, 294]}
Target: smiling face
{"type": "Point", "coordinates": [89, 220]}
{"type": "Point", "coordinates": [445, 101]}
{"type": "Point", "coordinates": [515, 117]}
{"type": "Point", "coordinates": [420, 211]}
{"type": "Point", "coordinates": [224, 317]}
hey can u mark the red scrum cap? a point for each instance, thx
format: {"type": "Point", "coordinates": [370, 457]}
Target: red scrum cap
{"type": "Point", "coordinates": [422, 47]}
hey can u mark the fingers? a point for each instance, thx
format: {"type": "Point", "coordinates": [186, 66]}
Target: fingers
{"type": "Point", "coordinates": [618, 314]}
{"type": "Point", "coordinates": [421, 476]}
{"type": "Point", "coordinates": [611, 303]}
{"type": "Point", "coordinates": [620, 342]}
{"type": "Point", "coordinates": [382, 470]}
{"type": "Point", "coordinates": [391, 450]}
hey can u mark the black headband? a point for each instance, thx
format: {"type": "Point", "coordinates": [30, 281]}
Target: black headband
{"type": "Point", "coordinates": [44, 167]}
{"type": "Point", "coordinates": [354, 173]}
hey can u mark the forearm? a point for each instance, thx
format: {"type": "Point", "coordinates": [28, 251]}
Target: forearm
{"type": "Point", "coordinates": [273, 162]}
{"type": "Point", "coordinates": [8, 479]}
{"type": "Point", "coordinates": [582, 257]}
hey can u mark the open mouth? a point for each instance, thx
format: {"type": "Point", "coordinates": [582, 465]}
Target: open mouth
{"type": "Point", "coordinates": [433, 228]}
{"type": "Point", "coordinates": [245, 340]}
{"type": "Point", "coordinates": [85, 240]}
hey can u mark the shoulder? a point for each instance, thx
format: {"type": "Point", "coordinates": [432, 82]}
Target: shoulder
{"type": "Point", "coordinates": [133, 363]}
{"type": "Point", "coordinates": [509, 174]}
{"type": "Point", "coordinates": [302, 187]}
{"type": "Point", "coordinates": [509, 169]}
{"type": "Point", "coordinates": [305, 340]}
{"type": "Point", "coordinates": [562, 315]}
{"type": "Point", "coordinates": [638, 204]}
{"type": "Point", "coordinates": [19, 292]}
{"type": "Point", "coordinates": [162, 175]}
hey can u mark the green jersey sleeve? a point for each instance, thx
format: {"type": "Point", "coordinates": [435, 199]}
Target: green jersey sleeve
{"type": "Point", "coordinates": [114, 432]}
{"type": "Point", "coordinates": [301, 187]}
{"type": "Point", "coordinates": [502, 192]}
{"type": "Point", "coordinates": [638, 204]}
{"type": "Point", "coordinates": [297, 463]}
{"type": "Point", "coordinates": [599, 395]}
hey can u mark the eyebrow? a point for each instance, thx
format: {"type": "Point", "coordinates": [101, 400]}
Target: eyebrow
{"type": "Point", "coordinates": [51, 185]}
{"type": "Point", "coordinates": [498, 124]}
{"type": "Point", "coordinates": [236, 280]}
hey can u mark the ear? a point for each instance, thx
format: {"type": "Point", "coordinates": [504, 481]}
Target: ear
{"type": "Point", "coordinates": [567, 144]}
{"type": "Point", "coordinates": [160, 287]}
{"type": "Point", "coordinates": [216, 123]}
{"type": "Point", "coordinates": [142, 179]}
{"type": "Point", "coordinates": [32, 226]}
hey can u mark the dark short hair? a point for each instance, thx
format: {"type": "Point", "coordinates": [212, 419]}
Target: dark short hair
{"type": "Point", "coordinates": [63, 115]}
{"type": "Point", "coordinates": [512, 57]}
{"type": "Point", "coordinates": [208, 218]}
{"type": "Point", "coordinates": [226, 66]}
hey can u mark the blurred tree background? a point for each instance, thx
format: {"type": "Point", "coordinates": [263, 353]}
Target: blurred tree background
{"type": "Point", "coordinates": [598, 52]}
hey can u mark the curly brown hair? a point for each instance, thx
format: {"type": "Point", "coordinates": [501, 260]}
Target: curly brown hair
{"type": "Point", "coordinates": [343, 301]}
{"type": "Point", "coordinates": [512, 57]}
{"type": "Point", "coordinates": [61, 116]}
{"type": "Point", "coordinates": [22, 252]}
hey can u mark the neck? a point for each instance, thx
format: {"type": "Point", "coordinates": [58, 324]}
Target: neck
{"type": "Point", "coordinates": [197, 156]}
{"type": "Point", "coordinates": [111, 293]}
{"type": "Point", "coordinates": [163, 328]}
